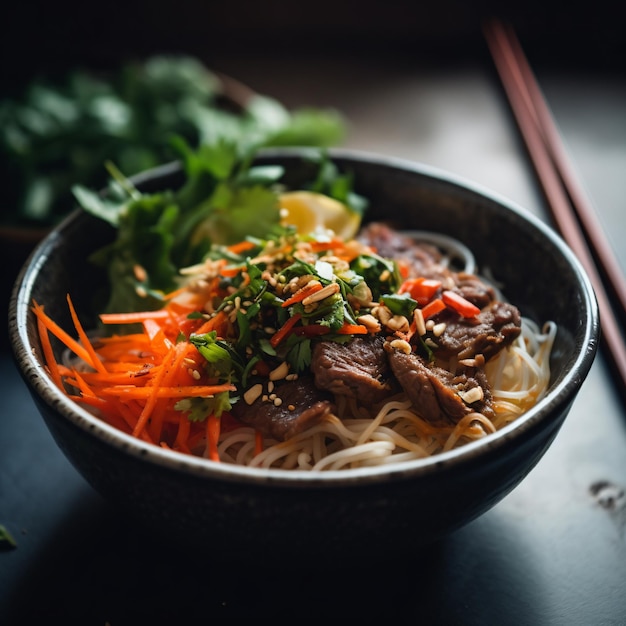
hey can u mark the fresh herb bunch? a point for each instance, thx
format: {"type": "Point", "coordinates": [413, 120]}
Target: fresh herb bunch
{"type": "Point", "coordinates": [57, 135]}
{"type": "Point", "coordinates": [225, 199]}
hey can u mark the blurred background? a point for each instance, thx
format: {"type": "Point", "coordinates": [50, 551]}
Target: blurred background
{"type": "Point", "coordinates": [48, 37]}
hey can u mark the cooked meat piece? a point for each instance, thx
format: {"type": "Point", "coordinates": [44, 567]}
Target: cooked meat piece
{"type": "Point", "coordinates": [494, 328]}
{"type": "Point", "coordinates": [358, 369]}
{"type": "Point", "coordinates": [436, 393]}
{"type": "Point", "coordinates": [422, 260]}
{"type": "Point", "coordinates": [301, 406]}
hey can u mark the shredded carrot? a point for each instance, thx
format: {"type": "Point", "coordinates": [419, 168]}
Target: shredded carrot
{"type": "Point", "coordinates": [49, 354]}
{"type": "Point", "coordinates": [132, 318]}
{"type": "Point", "coordinates": [157, 336]}
{"type": "Point", "coordinates": [159, 391]}
{"type": "Point", "coordinates": [212, 436]}
{"type": "Point", "coordinates": [352, 329]}
{"type": "Point", "coordinates": [176, 292]}
{"type": "Point", "coordinates": [85, 390]}
{"type": "Point", "coordinates": [461, 305]}
{"type": "Point", "coordinates": [95, 361]}
{"type": "Point", "coordinates": [218, 323]}
{"type": "Point", "coordinates": [180, 443]}
{"type": "Point", "coordinates": [338, 247]}
{"type": "Point", "coordinates": [151, 398]}
{"type": "Point", "coordinates": [283, 331]}
{"type": "Point", "coordinates": [421, 289]}
{"type": "Point", "coordinates": [308, 290]}
{"type": "Point", "coordinates": [242, 246]}
{"type": "Point", "coordinates": [433, 307]}
{"type": "Point", "coordinates": [58, 332]}
{"type": "Point", "coordinates": [258, 442]}
{"type": "Point", "coordinates": [326, 244]}
{"type": "Point", "coordinates": [412, 329]}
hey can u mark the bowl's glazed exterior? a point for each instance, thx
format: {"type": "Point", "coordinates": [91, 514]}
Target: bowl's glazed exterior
{"type": "Point", "coordinates": [241, 511]}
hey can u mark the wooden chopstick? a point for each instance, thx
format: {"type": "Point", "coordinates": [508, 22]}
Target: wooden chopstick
{"type": "Point", "coordinates": [580, 202]}
{"type": "Point", "coordinates": [557, 180]}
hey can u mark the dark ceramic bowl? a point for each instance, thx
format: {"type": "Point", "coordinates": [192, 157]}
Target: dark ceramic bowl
{"type": "Point", "coordinates": [251, 512]}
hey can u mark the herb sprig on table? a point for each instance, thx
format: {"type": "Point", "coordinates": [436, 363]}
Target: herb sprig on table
{"type": "Point", "coordinates": [58, 135]}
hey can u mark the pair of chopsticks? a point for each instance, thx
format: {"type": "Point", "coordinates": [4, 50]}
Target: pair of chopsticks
{"type": "Point", "coordinates": [571, 210]}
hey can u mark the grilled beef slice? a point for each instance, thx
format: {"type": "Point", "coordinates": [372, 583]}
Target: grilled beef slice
{"type": "Point", "coordinates": [494, 328]}
{"type": "Point", "coordinates": [302, 406]}
{"type": "Point", "coordinates": [357, 369]}
{"type": "Point", "coordinates": [421, 260]}
{"type": "Point", "coordinates": [435, 391]}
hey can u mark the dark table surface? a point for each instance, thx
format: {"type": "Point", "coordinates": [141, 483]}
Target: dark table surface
{"type": "Point", "coordinates": [552, 552]}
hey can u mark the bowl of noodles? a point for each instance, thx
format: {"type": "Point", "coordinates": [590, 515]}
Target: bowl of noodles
{"type": "Point", "coordinates": [371, 356]}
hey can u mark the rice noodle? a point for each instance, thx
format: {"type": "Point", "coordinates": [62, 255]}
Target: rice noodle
{"type": "Point", "coordinates": [519, 377]}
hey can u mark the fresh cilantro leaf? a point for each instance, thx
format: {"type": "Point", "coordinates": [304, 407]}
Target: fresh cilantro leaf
{"type": "Point", "coordinates": [238, 212]}
{"type": "Point", "coordinates": [381, 275]}
{"type": "Point", "coordinates": [400, 304]}
{"type": "Point", "coordinates": [221, 360]}
{"type": "Point", "coordinates": [298, 353]}
{"type": "Point", "coordinates": [336, 185]}
{"type": "Point", "coordinates": [200, 408]}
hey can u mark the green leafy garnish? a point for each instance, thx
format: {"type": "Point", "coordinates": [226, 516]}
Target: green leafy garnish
{"type": "Point", "coordinates": [400, 304]}
{"type": "Point", "coordinates": [6, 538]}
{"type": "Point", "coordinates": [59, 134]}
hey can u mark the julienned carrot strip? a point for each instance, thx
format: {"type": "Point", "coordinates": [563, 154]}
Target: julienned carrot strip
{"type": "Point", "coordinates": [403, 268]}
{"type": "Point", "coordinates": [306, 291]}
{"type": "Point", "coordinates": [191, 391]}
{"type": "Point", "coordinates": [339, 249]}
{"type": "Point", "coordinates": [85, 390]}
{"type": "Point", "coordinates": [157, 410]}
{"type": "Point", "coordinates": [258, 442]}
{"type": "Point", "coordinates": [133, 318]}
{"type": "Point", "coordinates": [125, 377]}
{"type": "Point", "coordinates": [95, 360]}
{"type": "Point", "coordinates": [151, 398]}
{"type": "Point", "coordinates": [461, 305]}
{"type": "Point", "coordinates": [412, 329]}
{"type": "Point", "coordinates": [176, 292]}
{"type": "Point", "coordinates": [433, 307]}
{"type": "Point", "coordinates": [180, 443]}
{"type": "Point", "coordinates": [59, 333]}
{"type": "Point", "coordinates": [124, 343]}
{"type": "Point", "coordinates": [117, 413]}
{"type": "Point", "coordinates": [218, 323]}
{"type": "Point", "coordinates": [157, 336]}
{"type": "Point", "coordinates": [49, 354]}
{"type": "Point", "coordinates": [242, 246]}
{"type": "Point", "coordinates": [336, 245]}
{"type": "Point", "coordinates": [420, 289]}
{"type": "Point", "coordinates": [311, 330]}
{"type": "Point", "coordinates": [283, 331]}
{"type": "Point", "coordinates": [352, 329]}
{"type": "Point", "coordinates": [170, 378]}
{"type": "Point", "coordinates": [177, 376]}
{"type": "Point", "coordinates": [127, 353]}
{"type": "Point", "coordinates": [262, 368]}
{"type": "Point", "coordinates": [212, 436]}
{"type": "Point", "coordinates": [231, 271]}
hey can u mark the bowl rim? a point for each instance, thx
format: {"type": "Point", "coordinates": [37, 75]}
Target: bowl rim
{"type": "Point", "coordinates": [39, 382]}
